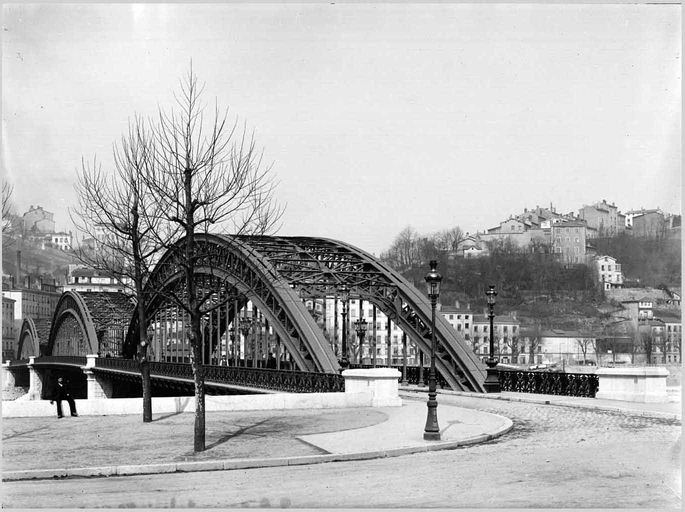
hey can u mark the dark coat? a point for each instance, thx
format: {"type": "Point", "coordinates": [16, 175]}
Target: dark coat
{"type": "Point", "coordinates": [61, 392]}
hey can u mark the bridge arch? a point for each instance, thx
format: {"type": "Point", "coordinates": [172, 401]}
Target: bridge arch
{"type": "Point", "coordinates": [89, 323]}
{"type": "Point", "coordinates": [29, 342]}
{"type": "Point", "coordinates": [276, 273]}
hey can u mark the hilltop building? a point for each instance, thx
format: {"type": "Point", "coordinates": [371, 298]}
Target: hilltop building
{"type": "Point", "coordinates": [569, 241]}
{"type": "Point", "coordinates": [648, 223]}
{"type": "Point", "coordinates": [38, 220]}
{"type": "Point", "coordinates": [603, 219]}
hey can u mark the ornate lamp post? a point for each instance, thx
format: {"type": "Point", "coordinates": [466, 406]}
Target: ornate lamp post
{"type": "Point", "coordinates": [492, 379]}
{"type": "Point", "coordinates": [245, 328]}
{"type": "Point", "coordinates": [432, 430]}
{"type": "Point", "coordinates": [344, 296]}
{"type": "Point", "coordinates": [360, 326]}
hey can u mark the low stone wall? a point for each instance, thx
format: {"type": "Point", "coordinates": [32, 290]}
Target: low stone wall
{"type": "Point", "coordinates": [633, 384]}
{"type": "Point", "coordinates": [374, 387]}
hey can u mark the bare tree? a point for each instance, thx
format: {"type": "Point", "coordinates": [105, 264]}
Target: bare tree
{"type": "Point", "coordinates": [209, 175]}
{"type": "Point", "coordinates": [7, 190]}
{"type": "Point", "coordinates": [448, 240]}
{"type": "Point", "coordinates": [119, 215]}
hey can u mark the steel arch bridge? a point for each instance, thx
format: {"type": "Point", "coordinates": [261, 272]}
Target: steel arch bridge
{"type": "Point", "coordinates": [89, 323]}
{"type": "Point", "coordinates": [276, 274]}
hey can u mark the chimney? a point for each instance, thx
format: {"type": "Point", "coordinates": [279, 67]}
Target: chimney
{"type": "Point", "coordinates": [456, 304]}
{"type": "Point", "coordinates": [18, 278]}
{"type": "Point", "coordinates": [468, 305]}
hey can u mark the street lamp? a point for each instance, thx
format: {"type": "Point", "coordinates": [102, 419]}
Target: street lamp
{"type": "Point", "coordinates": [344, 296]}
{"type": "Point", "coordinates": [432, 431]}
{"type": "Point", "coordinates": [360, 326]}
{"type": "Point", "coordinates": [492, 379]}
{"type": "Point", "coordinates": [245, 328]}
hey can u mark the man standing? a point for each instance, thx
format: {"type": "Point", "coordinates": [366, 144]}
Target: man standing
{"type": "Point", "coordinates": [62, 393]}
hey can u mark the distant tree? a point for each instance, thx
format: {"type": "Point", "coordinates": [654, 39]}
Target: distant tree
{"type": "Point", "coordinates": [209, 175]}
{"type": "Point", "coordinates": [534, 340]}
{"type": "Point", "coordinates": [403, 253]}
{"type": "Point", "coordinates": [7, 190]}
{"type": "Point", "coordinates": [448, 240]}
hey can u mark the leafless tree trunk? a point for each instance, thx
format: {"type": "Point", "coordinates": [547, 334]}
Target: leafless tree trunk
{"type": "Point", "coordinates": [7, 190]}
{"type": "Point", "coordinates": [119, 214]}
{"type": "Point", "coordinates": [209, 176]}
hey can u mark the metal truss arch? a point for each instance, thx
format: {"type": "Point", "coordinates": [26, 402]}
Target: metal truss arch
{"type": "Point", "coordinates": [29, 344]}
{"type": "Point", "coordinates": [245, 274]}
{"type": "Point", "coordinates": [275, 273]}
{"type": "Point", "coordinates": [70, 309]}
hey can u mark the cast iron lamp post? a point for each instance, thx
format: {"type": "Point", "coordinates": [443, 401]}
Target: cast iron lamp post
{"type": "Point", "coordinates": [245, 328]}
{"type": "Point", "coordinates": [344, 296]}
{"type": "Point", "coordinates": [360, 326]}
{"type": "Point", "coordinates": [492, 379]}
{"type": "Point", "coordinates": [432, 431]}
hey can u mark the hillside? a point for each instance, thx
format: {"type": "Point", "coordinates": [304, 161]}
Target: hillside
{"type": "Point", "coordinates": [34, 260]}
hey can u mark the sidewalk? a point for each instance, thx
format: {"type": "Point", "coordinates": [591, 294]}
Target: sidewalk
{"type": "Point", "coordinates": [670, 410]}
{"type": "Point", "coordinates": [45, 447]}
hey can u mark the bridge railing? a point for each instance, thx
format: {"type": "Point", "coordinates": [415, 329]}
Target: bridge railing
{"type": "Point", "coordinates": [262, 378]}
{"type": "Point", "coordinates": [19, 362]}
{"type": "Point", "coordinates": [75, 360]}
{"type": "Point", "coordinates": [278, 380]}
{"type": "Point", "coordinates": [549, 383]}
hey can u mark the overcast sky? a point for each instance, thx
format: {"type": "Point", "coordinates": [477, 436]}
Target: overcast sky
{"type": "Point", "coordinates": [375, 116]}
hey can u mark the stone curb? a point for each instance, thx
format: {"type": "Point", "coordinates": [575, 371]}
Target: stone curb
{"type": "Point", "coordinates": [232, 464]}
{"type": "Point", "coordinates": [552, 401]}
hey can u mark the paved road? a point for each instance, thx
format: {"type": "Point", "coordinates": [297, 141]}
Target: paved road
{"type": "Point", "coordinates": [555, 457]}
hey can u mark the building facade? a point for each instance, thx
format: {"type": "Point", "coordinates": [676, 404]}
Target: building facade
{"type": "Point", "coordinates": [9, 338]}
{"type": "Point", "coordinates": [83, 279]}
{"type": "Point", "coordinates": [648, 223]}
{"type": "Point", "coordinates": [569, 242]}
{"type": "Point", "coordinates": [609, 272]}
{"type": "Point", "coordinates": [603, 219]}
{"type": "Point", "coordinates": [38, 220]}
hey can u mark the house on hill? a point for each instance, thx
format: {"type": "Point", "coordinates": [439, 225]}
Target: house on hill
{"type": "Point", "coordinates": [603, 219]}
{"type": "Point", "coordinates": [609, 272]}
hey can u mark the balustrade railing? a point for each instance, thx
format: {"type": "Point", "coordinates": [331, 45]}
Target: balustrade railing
{"type": "Point", "coordinates": [262, 378]}
{"type": "Point", "coordinates": [549, 383]}
{"type": "Point", "coordinates": [117, 363]}
{"type": "Point", "coordinates": [19, 362]}
{"type": "Point", "coordinates": [75, 360]}
{"type": "Point", "coordinates": [278, 380]}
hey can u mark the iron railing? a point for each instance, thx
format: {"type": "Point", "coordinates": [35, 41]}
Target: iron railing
{"type": "Point", "coordinates": [549, 383]}
{"type": "Point", "coordinates": [261, 378]}
{"type": "Point", "coordinates": [19, 362]}
{"type": "Point", "coordinates": [72, 360]}
{"type": "Point", "coordinates": [278, 380]}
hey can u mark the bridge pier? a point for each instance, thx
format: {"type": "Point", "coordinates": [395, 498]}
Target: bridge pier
{"type": "Point", "coordinates": [35, 380]}
{"type": "Point", "coordinates": [99, 386]}
{"type": "Point", "coordinates": [8, 379]}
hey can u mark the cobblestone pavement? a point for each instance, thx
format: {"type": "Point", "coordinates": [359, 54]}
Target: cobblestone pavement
{"type": "Point", "coordinates": [555, 457]}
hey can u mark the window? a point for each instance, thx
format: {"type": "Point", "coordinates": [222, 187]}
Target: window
{"type": "Point", "coordinates": [475, 328]}
{"type": "Point", "coordinates": [451, 317]}
{"type": "Point", "coordinates": [466, 325]}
